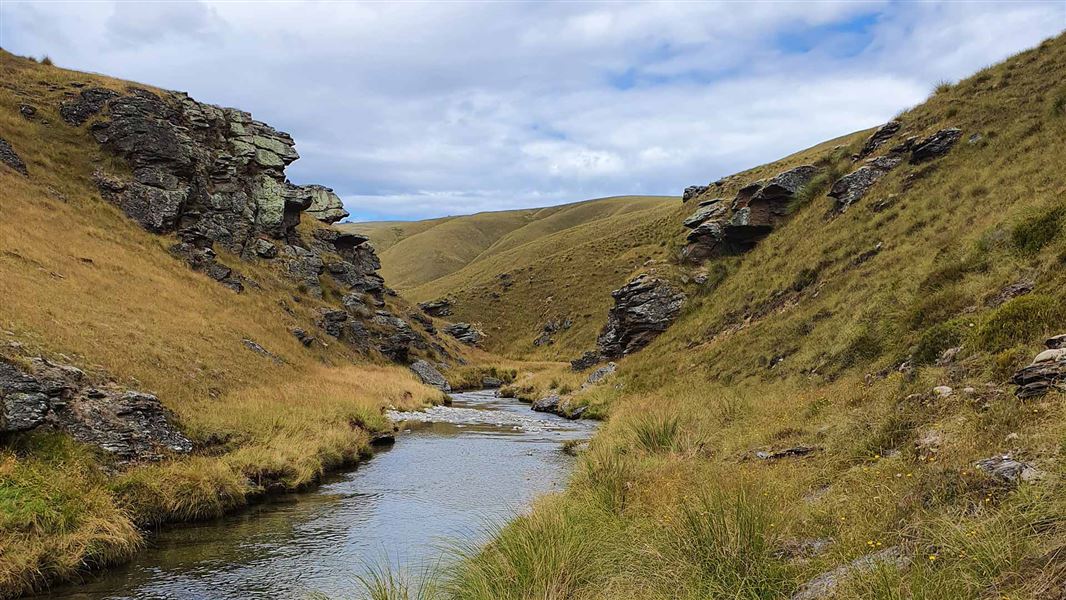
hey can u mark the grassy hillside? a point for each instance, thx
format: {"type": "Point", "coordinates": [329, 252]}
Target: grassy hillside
{"type": "Point", "coordinates": [418, 253]}
{"type": "Point", "coordinates": [799, 345]}
{"type": "Point", "coordinates": [556, 263]}
{"type": "Point", "coordinates": [85, 285]}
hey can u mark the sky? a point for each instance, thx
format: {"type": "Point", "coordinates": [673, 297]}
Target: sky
{"type": "Point", "coordinates": [412, 110]}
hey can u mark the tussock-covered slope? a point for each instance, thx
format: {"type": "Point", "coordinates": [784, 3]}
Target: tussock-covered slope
{"type": "Point", "coordinates": [87, 286]}
{"type": "Point", "coordinates": [833, 413]}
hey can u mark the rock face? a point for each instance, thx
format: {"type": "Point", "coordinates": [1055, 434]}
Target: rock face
{"type": "Point", "coordinates": [850, 188]}
{"type": "Point", "coordinates": [643, 309]}
{"type": "Point", "coordinates": [129, 425]}
{"type": "Point", "coordinates": [755, 211]}
{"type": "Point", "coordinates": [879, 137]}
{"type": "Point", "coordinates": [326, 206]}
{"type": "Point", "coordinates": [215, 177]}
{"type": "Point", "coordinates": [935, 145]}
{"type": "Point", "coordinates": [430, 375]}
{"type": "Point", "coordinates": [11, 159]}
{"type": "Point", "coordinates": [465, 333]}
{"type": "Point", "coordinates": [1047, 372]}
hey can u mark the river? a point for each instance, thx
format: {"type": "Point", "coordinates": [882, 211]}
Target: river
{"type": "Point", "coordinates": [452, 472]}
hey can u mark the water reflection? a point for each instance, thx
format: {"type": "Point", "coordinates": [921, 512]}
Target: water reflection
{"type": "Point", "coordinates": [482, 459]}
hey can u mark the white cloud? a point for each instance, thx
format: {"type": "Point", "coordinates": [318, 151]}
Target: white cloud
{"type": "Point", "coordinates": [424, 109]}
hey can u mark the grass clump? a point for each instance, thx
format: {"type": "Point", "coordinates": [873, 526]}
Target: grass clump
{"type": "Point", "coordinates": [1038, 230]}
{"type": "Point", "coordinates": [1020, 321]}
{"type": "Point", "coordinates": [936, 339]}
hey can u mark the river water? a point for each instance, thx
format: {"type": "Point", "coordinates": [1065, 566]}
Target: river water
{"type": "Point", "coordinates": [452, 472]}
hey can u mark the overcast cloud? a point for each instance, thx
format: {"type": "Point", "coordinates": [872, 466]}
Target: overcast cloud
{"type": "Point", "coordinates": [414, 110]}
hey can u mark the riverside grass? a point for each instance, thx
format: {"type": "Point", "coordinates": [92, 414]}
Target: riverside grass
{"type": "Point", "coordinates": [669, 501]}
{"type": "Point", "coordinates": [85, 285]}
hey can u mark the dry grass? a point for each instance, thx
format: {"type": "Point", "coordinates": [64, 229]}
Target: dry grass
{"type": "Point", "coordinates": [87, 286]}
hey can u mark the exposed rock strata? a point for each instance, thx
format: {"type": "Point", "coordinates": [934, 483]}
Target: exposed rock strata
{"type": "Point", "coordinates": [465, 332]}
{"type": "Point", "coordinates": [12, 159]}
{"type": "Point", "coordinates": [127, 424]}
{"type": "Point", "coordinates": [935, 145]}
{"type": "Point", "coordinates": [430, 375]}
{"type": "Point", "coordinates": [1047, 372]}
{"type": "Point", "coordinates": [879, 137]}
{"type": "Point", "coordinates": [850, 188]}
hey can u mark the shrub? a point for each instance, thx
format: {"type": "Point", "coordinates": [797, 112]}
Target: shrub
{"type": "Point", "coordinates": [936, 339]}
{"type": "Point", "coordinates": [1038, 230]}
{"type": "Point", "coordinates": [943, 86]}
{"type": "Point", "coordinates": [46, 61]}
{"type": "Point", "coordinates": [1019, 321]}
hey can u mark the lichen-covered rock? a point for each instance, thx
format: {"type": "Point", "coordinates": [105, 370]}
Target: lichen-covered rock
{"type": "Point", "coordinates": [11, 159]}
{"type": "Point", "coordinates": [643, 309]}
{"type": "Point", "coordinates": [879, 137]}
{"type": "Point", "coordinates": [430, 375]}
{"type": "Point", "coordinates": [1007, 470]}
{"type": "Point", "coordinates": [935, 145]}
{"type": "Point", "coordinates": [704, 213]}
{"type": "Point", "coordinates": [850, 188]}
{"type": "Point", "coordinates": [601, 373]}
{"type": "Point", "coordinates": [326, 206]}
{"type": "Point", "coordinates": [826, 584]}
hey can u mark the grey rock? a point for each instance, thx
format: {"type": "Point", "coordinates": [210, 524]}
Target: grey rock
{"type": "Point", "coordinates": [465, 332]}
{"type": "Point", "coordinates": [643, 309]}
{"type": "Point", "coordinates": [11, 159]}
{"type": "Point", "coordinates": [705, 213]}
{"type": "Point", "coordinates": [491, 382]}
{"type": "Point", "coordinates": [305, 338]}
{"type": "Point", "coordinates": [1011, 291]}
{"type": "Point", "coordinates": [793, 452]}
{"type": "Point", "coordinates": [333, 321]}
{"type": "Point", "coordinates": [437, 308]}
{"type": "Point", "coordinates": [693, 191]}
{"type": "Point", "coordinates": [1056, 342]}
{"type": "Point", "coordinates": [824, 585]}
{"type": "Point", "coordinates": [850, 188]}
{"type": "Point", "coordinates": [430, 375]}
{"type": "Point", "coordinates": [263, 248]}
{"type": "Point", "coordinates": [1047, 372]}
{"type": "Point", "coordinates": [548, 404]}
{"type": "Point", "coordinates": [586, 361]}
{"type": "Point", "coordinates": [326, 206]}
{"type": "Point", "coordinates": [260, 350]}
{"type": "Point", "coordinates": [879, 137]}
{"type": "Point", "coordinates": [602, 372]}
{"type": "Point", "coordinates": [77, 111]}
{"type": "Point", "coordinates": [27, 111]}
{"type": "Point", "coordinates": [935, 145]}
{"type": "Point", "coordinates": [1007, 470]}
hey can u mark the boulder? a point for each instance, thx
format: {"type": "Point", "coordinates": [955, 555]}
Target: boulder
{"type": "Point", "coordinates": [879, 137]}
{"type": "Point", "coordinates": [1047, 372]}
{"type": "Point", "coordinates": [430, 375]}
{"type": "Point", "coordinates": [80, 109]}
{"type": "Point", "coordinates": [602, 372]}
{"type": "Point", "coordinates": [850, 188]}
{"type": "Point", "coordinates": [304, 338]}
{"type": "Point", "coordinates": [549, 403]}
{"type": "Point", "coordinates": [11, 159]}
{"type": "Point", "coordinates": [643, 309]}
{"type": "Point", "coordinates": [935, 145]}
{"type": "Point", "coordinates": [586, 361]}
{"type": "Point", "coordinates": [491, 382]}
{"type": "Point", "coordinates": [28, 111]}
{"type": "Point", "coordinates": [465, 332]}
{"type": "Point", "coordinates": [1007, 470]}
{"type": "Point", "coordinates": [437, 308]}
{"type": "Point", "coordinates": [326, 206]}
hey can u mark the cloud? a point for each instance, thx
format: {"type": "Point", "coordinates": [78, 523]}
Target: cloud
{"type": "Point", "coordinates": [413, 110]}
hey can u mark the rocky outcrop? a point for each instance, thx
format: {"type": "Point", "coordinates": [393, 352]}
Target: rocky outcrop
{"type": "Point", "coordinates": [693, 191]}
{"type": "Point", "coordinates": [935, 145]}
{"type": "Point", "coordinates": [755, 211]}
{"type": "Point", "coordinates": [28, 111]}
{"type": "Point", "coordinates": [128, 425]}
{"type": "Point", "coordinates": [437, 308]}
{"type": "Point", "coordinates": [11, 159]}
{"type": "Point", "coordinates": [326, 206]}
{"type": "Point", "coordinates": [548, 404]}
{"type": "Point", "coordinates": [465, 333]}
{"type": "Point", "coordinates": [601, 373]}
{"type": "Point", "coordinates": [850, 188]}
{"type": "Point", "coordinates": [643, 309]}
{"type": "Point", "coordinates": [878, 139]}
{"type": "Point", "coordinates": [549, 329]}
{"type": "Point", "coordinates": [79, 109]}
{"type": "Point", "coordinates": [430, 375]}
{"type": "Point", "coordinates": [1047, 372]}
